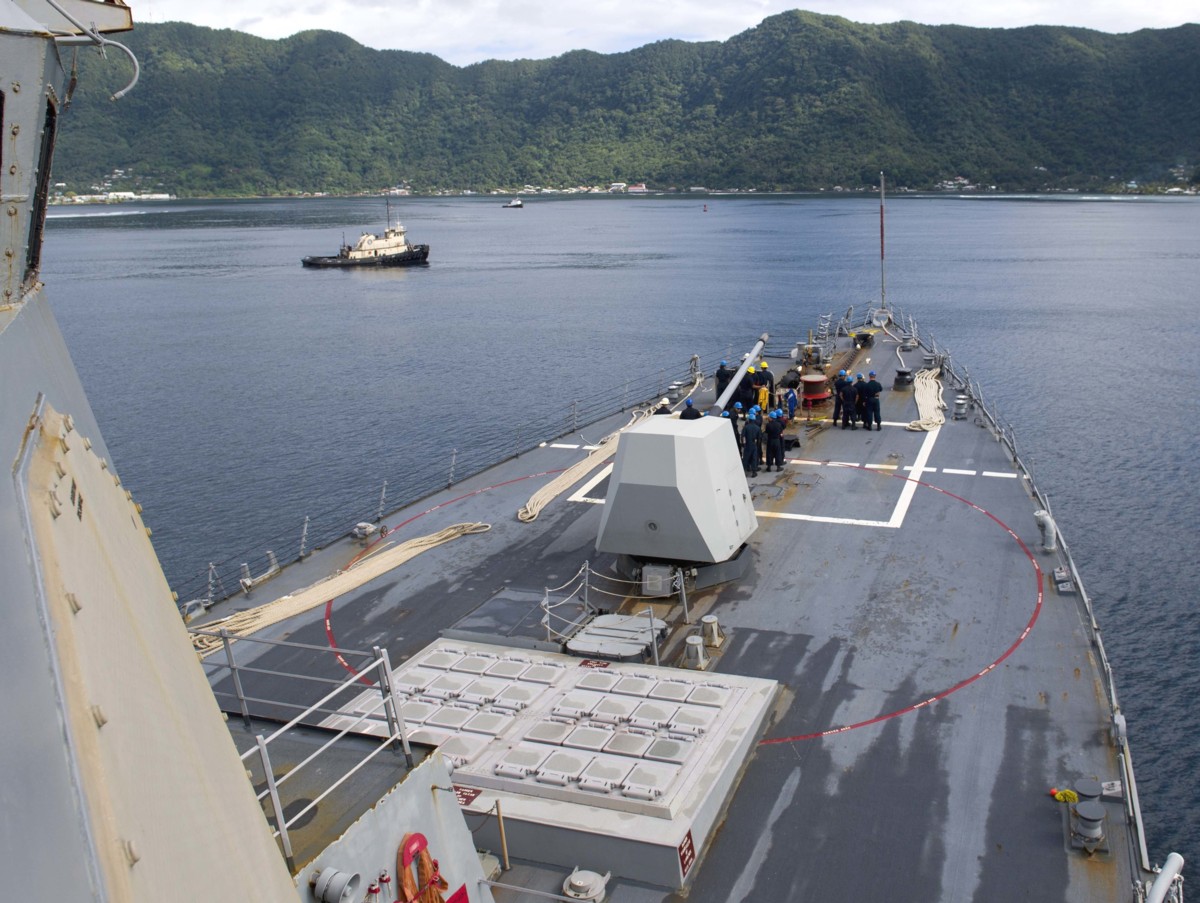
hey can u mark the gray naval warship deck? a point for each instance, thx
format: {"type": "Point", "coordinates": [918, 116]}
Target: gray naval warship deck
{"type": "Point", "coordinates": [908, 663]}
{"type": "Point", "coordinates": [854, 678]}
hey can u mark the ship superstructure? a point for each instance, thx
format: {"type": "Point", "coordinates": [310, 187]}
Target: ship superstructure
{"type": "Point", "coordinates": [122, 781]}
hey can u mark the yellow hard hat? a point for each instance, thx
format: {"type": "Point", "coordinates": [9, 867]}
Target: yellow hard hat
{"type": "Point", "coordinates": [751, 370]}
{"type": "Point", "coordinates": [763, 365]}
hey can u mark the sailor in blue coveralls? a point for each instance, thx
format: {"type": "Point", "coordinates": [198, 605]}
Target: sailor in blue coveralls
{"type": "Point", "coordinates": [848, 396]}
{"type": "Point", "coordinates": [871, 392]}
{"type": "Point", "coordinates": [724, 375]}
{"type": "Point", "coordinates": [760, 417]}
{"type": "Point", "coordinates": [837, 395]}
{"type": "Point", "coordinates": [750, 436]}
{"type": "Point", "coordinates": [774, 431]}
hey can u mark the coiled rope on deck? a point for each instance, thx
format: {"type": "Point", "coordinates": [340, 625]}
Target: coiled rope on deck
{"type": "Point", "coordinates": [604, 450]}
{"type": "Point", "coordinates": [363, 571]}
{"type": "Point", "coordinates": [928, 391]}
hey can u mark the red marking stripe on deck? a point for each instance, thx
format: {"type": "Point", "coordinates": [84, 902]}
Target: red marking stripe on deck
{"type": "Point", "coordinates": [1037, 610]}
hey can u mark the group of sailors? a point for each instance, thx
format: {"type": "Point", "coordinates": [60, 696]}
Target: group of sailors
{"type": "Point", "coordinates": [856, 401]}
{"type": "Point", "coordinates": [759, 415]}
{"type": "Point", "coordinates": [757, 386]}
{"type": "Point", "coordinates": [759, 436]}
{"type": "Point", "coordinates": [756, 411]}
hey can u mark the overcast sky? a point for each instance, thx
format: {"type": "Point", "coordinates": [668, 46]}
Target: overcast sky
{"type": "Point", "coordinates": [467, 31]}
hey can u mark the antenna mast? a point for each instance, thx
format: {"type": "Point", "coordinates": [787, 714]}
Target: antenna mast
{"type": "Point", "coordinates": [882, 282]}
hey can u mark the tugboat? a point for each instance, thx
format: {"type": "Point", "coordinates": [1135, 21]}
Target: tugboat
{"type": "Point", "coordinates": [392, 249]}
{"type": "Point", "coordinates": [514, 204]}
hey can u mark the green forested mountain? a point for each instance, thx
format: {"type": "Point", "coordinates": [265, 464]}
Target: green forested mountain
{"type": "Point", "coordinates": [802, 101]}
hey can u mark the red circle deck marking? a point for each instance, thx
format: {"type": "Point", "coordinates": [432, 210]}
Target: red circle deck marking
{"type": "Point", "coordinates": [1037, 610]}
{"type": "Point", "coordinates": [329, 637]}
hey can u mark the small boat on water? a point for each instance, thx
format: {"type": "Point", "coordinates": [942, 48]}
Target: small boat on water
{"type": "Point", "coordinates": [392, 249]}
{"type": "Point", "coordinates": [515, 203]}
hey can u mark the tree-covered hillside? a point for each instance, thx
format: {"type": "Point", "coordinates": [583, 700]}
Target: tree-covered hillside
{"type": "Point", "coordinates": [801, 102]}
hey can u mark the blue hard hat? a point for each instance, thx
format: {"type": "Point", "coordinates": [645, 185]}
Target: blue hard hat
{"type": "Point", "coordinates": [858, 376]}
{"type": "Point", "coordinates": [722, 363]}
{"type": "Point", "coordinates": [737, 405]}
{"type": "Point", "coordinates": [689, 401]}
{"type": "Point", "coordinates": [724, 413]}
{"type": "Point", "coordinates": [841, 373]}
{"type": "Point", "coordinates": [872, 373]}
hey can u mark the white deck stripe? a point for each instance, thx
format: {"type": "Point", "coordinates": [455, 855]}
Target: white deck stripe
{"type": "Point", "coordinates": [898, 513]}
{"type": "Point", "coordinates": [562, 445]}
{"type": "Point", "coordinates": [910, 486]}
{"type": "Point", "coordinates": [1005, 476]}
{"type": "Point", "coordinates": [784, 515]}
{"type": "Point", "coordinates": [961, 473]}
{"type": "Point", "coordinates": [581, 494]}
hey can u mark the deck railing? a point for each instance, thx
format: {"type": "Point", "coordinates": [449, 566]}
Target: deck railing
{"type": "Point", "coordinates": [374, 670]}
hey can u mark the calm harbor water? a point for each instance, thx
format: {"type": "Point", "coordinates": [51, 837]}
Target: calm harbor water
{"type": "Point", "coordinates": [240, 393]}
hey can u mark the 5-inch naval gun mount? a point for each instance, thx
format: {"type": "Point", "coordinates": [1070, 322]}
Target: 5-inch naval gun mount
{"type": "Point", "coordinates": [678, 500]}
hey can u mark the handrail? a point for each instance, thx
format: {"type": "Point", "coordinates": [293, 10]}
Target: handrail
{"type": "Point", "coordinates": [387, 702]}
{"type": "Point", "coordinates": [291, 644]}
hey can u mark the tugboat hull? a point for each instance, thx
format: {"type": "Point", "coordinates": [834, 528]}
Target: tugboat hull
{"type": "Point", "coordinates": [417, 254]}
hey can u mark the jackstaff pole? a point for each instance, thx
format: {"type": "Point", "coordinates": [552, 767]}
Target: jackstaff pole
{"type": "Point", "coordinates": [882, 284]}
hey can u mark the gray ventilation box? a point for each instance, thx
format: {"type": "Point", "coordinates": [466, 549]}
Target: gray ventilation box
{"type": "Point", "coordinates": [657, 580]}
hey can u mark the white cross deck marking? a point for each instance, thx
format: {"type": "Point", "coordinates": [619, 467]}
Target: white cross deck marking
{"type": "Point", "coordinates": [895, 521]}
{"type": "Point", "coordinates": [906, 493]}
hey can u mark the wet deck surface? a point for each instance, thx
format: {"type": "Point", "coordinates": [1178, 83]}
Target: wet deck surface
{"type": "Point", "coordinates": [935, 684]}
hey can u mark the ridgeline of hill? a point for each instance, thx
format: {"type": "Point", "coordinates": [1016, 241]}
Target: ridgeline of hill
{"type": "Point", "coordinates": [802, 101]}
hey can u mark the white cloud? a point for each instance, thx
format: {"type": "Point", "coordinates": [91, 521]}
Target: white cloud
{"type": "Point", "coordinates": [467, 31]}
